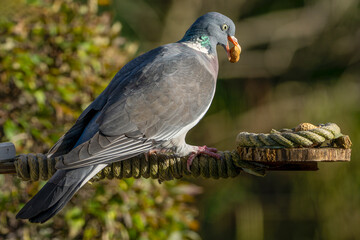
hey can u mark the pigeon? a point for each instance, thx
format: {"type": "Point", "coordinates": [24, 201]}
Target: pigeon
{"type": "Point", "coordinates": [149, 106]}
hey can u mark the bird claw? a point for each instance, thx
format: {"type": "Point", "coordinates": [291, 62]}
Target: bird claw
{"type": "Point", "coordinates": [153, 152]}
{"type": "Point", "coordinates": [149, 153]}
{"type": "Point", "coordinates": [212, 152]}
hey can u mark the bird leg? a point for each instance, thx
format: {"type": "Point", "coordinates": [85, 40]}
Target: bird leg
{"type": "Point", "coordinates": [212, 152]}
{"type": "Point", "coordinates": [195, 151]}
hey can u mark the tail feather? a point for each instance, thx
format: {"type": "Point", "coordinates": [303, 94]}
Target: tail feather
{"type": "Point", "coordinates": [56, 193]}
{"type": "Point", "coordinates": [62, 186]}
{"type": "Point", "coordinates": [43, 216]}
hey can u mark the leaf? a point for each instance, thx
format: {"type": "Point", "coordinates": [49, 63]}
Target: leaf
{"type": "Point", "coordinates": [10, 129]}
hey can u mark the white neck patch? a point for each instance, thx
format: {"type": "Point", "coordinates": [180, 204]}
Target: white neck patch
{"type": "Point", "coordinates": [197, 46]}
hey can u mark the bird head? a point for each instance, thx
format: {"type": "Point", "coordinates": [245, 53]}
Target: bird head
{"type": "Point", "coordinates": [216, 28]}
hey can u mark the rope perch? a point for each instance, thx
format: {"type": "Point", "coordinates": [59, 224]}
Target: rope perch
{"type": "Point", "coordinates": [164, 167]}
{"type": "Point", "coordinates": [299, 148]}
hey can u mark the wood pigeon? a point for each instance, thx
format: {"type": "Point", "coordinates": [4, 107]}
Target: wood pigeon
{"type": "Point", "coordinates": [150, 105]}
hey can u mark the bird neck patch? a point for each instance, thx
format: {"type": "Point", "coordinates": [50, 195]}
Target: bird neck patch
{"type": "Point", "coordinates": [204, 41]}
{"type": "Point", "coordinates": [201, 44]}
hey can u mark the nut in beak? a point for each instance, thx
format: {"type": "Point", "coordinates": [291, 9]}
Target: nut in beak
{"type": "Point", "coordinates": [234, 52]}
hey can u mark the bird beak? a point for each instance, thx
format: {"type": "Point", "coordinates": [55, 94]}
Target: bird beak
{"type": "Point", "coordinates": [235, 42]}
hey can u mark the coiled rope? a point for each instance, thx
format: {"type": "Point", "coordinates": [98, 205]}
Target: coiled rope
{"type": "Point", "coordinates": [304, 135]}
{"type": "Point", "coordinates": [164, 167]}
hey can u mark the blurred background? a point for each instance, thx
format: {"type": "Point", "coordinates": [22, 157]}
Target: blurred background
{"type": "Point", "coordinates": [300, 62]}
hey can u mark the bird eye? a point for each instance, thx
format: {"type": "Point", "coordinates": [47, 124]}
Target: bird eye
{"type": "Point", "coordinates": [224, 27]}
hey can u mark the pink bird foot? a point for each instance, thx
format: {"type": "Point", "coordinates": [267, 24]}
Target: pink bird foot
{"type": "Point", "coordinates": [212, 152]}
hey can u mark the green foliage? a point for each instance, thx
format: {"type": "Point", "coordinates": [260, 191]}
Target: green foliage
{"type": "Point", "coordinates": [55, 57]}
{"type": "Point", "coordinates": [53, 61]}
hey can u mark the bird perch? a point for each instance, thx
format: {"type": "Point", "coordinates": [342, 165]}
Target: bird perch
{"type": "Point", "coordinates": [249, 157]}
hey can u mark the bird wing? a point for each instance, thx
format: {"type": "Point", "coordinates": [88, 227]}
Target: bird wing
{"type": "Point", "coordinates": [67, 142]}
{"type": "Point", "coordinates": [161, 94]}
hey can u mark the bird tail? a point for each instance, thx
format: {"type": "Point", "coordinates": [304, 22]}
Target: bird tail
{"type": "Point", "coordinates": [56, 193]}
